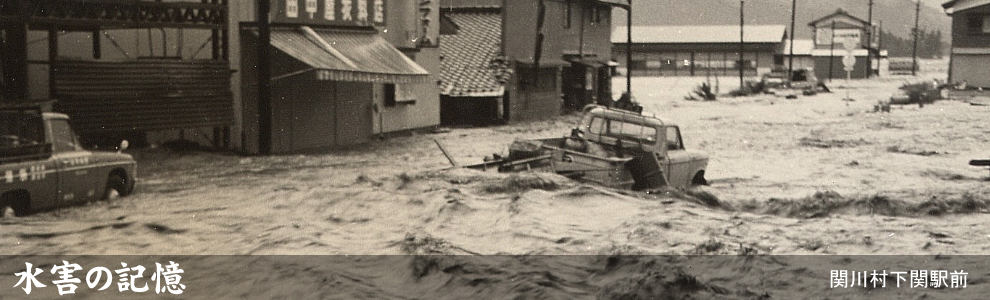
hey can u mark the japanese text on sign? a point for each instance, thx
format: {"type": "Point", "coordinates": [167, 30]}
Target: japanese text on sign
{"type": "Point", "coordinates": [330, 12]}
{"type": "Point", "coordinates": [167, 278]}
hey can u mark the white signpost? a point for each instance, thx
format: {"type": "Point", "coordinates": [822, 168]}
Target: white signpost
{"type": "Point", "coordinates": [849, 61]}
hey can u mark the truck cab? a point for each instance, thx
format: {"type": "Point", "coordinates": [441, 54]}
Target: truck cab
{"type": "Point", "coordinates": [43, 166]}
{"type": "Point", "coordinates": [623, 133]}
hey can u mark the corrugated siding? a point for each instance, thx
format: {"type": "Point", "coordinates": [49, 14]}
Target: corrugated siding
{"type": "Point", "coordinates": [143, 95]}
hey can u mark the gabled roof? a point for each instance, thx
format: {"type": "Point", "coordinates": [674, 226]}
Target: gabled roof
{"type": "Point", "coordinates": [466, 65]}
{"type": "Point", "coordinates": [838, 12]}
{"type": "Point", "coordinates": [801, 47]}
{"type": "Point", "coordinates": [956, 6]}
{"type": "Point", "coordinates": [700, 34]}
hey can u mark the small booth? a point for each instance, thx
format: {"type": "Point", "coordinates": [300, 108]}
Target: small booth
{"type": "Point", "coordinates": [328, 65]}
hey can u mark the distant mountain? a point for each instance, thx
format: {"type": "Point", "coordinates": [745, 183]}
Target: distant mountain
{"type": "Point", "coordinates": [897, 15]}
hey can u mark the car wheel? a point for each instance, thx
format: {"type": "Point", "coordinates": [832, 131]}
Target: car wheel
{"type": "Point", "coordinates": [699, 179]}
{"type": "Point", "coordinates": [116, 187]}
{"type": "Point", "coordinates": [14, 208]}
{"type": "Point", "coordinates": [7, 212]}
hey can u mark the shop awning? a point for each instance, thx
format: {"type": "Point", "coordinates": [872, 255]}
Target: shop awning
{"type": "Point", "coordinates": [340, 55]}
{"type": "Point", "coordinates": [588, 62]}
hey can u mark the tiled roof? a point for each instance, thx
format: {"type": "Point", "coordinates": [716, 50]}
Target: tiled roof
{"type": "Point", "coordinates": [700, 34]}
{"type": "Point", "coordinates": [466, 65]}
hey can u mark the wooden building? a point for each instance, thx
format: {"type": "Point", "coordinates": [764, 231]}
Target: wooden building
{"type": "Point", "coordinates": [832, 33]}
{"type": "Point", "coordinates": [970, 56]}
{"type": "Point", "coordinates": [118, 76]}
{"type": "Point", "coordinates": [500, 64]}
{"type": "Point", "coordinates": [699, 50]}
{"type": "Point", "coordinates": [342, 72]}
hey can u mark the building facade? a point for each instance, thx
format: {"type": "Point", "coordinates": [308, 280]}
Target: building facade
{"type": "Point", "coordinates": [163, 76]}
{"type": "Point", "coordinates": [539, 69]}
{"type": "Point", "coordinates": [342, 72]}
{"type": "Point", "coordinates": [699, 50]}
{"type": "Point", "coordinates": [969, 60]}
{"type": "Point", "coordinates": [838, 35]}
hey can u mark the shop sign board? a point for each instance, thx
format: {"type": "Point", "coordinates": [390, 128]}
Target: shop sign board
{"type": "Point", "coordinates": [329, 12]}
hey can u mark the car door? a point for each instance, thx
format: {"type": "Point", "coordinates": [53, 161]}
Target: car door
{"type": "Point", "coordinates": [28, 167]}
{"type": "Point", "coordinates": [678, 160]}
{"type": "Point", "coordinates": [77, 180]}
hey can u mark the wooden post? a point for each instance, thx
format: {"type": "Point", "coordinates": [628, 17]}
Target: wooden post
{"type": "Point", "coordinates": [265, 116]}
{"type": "Point", "coordinates": [790, 56]}
{"type": "Point", "coordinates": [742, 42]}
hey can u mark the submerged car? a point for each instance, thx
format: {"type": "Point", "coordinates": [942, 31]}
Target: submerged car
{"type": "Point", "coordinates": [614, 148]}
{"type": "Point", "coordinates": [43, 166]}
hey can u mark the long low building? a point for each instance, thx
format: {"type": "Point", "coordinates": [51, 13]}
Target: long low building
{"type": "Point", "coordinates": [699, 50]}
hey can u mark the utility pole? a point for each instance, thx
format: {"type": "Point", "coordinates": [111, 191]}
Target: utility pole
{"type": "Point", "coordinates": [264, 78]}
{"type": "Point", "coordinates": [869, 42]}
{"type": "Point", "coordinates": [790, 56]}
{"type": "Point", "coordinates": [914, 50]}
{"type": "Point", "coordinates": [742, 42]}
{"type": "Point", "coordinates": [629, 49]}
{"type": "Point", "coordinates": [831, 51]}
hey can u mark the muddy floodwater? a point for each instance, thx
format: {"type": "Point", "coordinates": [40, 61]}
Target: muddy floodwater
{"type": "Point", "coordinates": [820, 174]}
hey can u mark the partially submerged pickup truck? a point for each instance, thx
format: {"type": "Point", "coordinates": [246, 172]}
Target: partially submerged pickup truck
{"type": "Point", "coordinates": [613, 148]}
{"type": "Point", "coordinates": [42, 165]}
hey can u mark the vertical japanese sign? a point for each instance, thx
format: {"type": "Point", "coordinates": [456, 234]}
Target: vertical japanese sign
{"type": "Point", "coordinates": [329, 12]}
{"type": "Point", "coordinates": [428, 30]}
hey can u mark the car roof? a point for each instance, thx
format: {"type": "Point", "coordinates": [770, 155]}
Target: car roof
{"type": "Point", "coordinates": [628, 116]}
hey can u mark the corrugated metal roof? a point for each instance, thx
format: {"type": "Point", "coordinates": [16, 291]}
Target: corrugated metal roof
{"type": "Point", "coordinates": [956, 6]}
{"type": "Point", "coordinates": [801, 47]}
{"type": "Point", "coordinates": [349, 55]}
{"type": "Point", "coordinates": [466, 68]}
{"type": "Point", "coordinates": [470, 3]}
{"type": "Point", "coordinates": [700, 34]}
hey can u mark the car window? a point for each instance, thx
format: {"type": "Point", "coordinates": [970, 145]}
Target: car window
{"type": "Point", "coordinates": [674, 138]}
{"type": "Point", "coordinates": [20, 129]}
{"type": "Point", "coordinates": [596, 125]}
{"type": "Point", "coordinates": [63, 139]}
{"type": "Point", "coordinates": [629, 131]}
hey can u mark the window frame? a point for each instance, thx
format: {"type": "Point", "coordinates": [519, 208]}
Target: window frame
{"type": "Point", "coordinates": [980, 19]}
{"type": "Point", "coordinates": [395, 94]}
{"type": "Point", "coordinates": [678, 140]}
{"type": "Point", "coordinates": [73, 142]}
